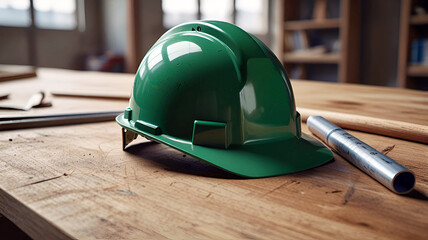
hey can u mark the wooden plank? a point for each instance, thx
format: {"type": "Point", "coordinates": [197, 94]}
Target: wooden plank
{"type": "Point", "coordinates": [327, 58]}
{"type": "Point", "coordinates": [311, 24]}
{"type": "Point", "coordinates": [419, 19]}
{"type": "Point", "coordinates": [85, 94]}
{"type": "Point", "coordinates": [92, 189]}
{"type": "Point", "coordinates": [4, 95]}
{"type": "Point", "coordinates": [132, 33]}
{"type": "Point", "coordinates": [395, 129]}
{"type": "Point", "coordinates": [372, 101]}
{"type": "Point", "coordinates": [76, 182]}
{"type": "Point", "coordinates": [379, 102]}
{"type": "Point", "coordinates": [8, 72]}
{"type": "Point", "coordinates": [417, 70]}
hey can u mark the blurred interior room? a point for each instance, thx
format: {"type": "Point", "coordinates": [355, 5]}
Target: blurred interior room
{"type": "Point", "coordinates": [82, 79]}
{"type": "Point", "coordinates": [364, 42]}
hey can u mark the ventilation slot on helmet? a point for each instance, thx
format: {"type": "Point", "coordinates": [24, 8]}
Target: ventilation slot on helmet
{"type": "Point", "coordinates": [128, 114]}
{"type": "Point", "coordinates": [210, 134]}
{"type": "Point", "coordinates": [148, 127]}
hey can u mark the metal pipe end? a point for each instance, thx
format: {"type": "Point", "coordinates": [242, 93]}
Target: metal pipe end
{"type": "Point", "coordinates": [403, 182]}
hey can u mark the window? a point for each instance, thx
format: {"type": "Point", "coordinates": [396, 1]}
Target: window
{"type": "Point", "coordinates": [48, 14]}
{"type": "Point", "coordinates": [55, 14]}
{"type": "Point", "coordinates": [219, 10]}
{"type": "Point", "coordinates": [15, 13]}
{"type": "Point", "coordinates": [176, 12]}
{"type": "Point", "coordinates": [251, 15]}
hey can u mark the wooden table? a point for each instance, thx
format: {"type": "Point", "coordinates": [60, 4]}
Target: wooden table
{"type": "Point", "coordinates": [76, 182]}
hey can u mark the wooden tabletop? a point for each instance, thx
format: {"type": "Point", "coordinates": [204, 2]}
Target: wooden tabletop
{"type": "Point", "coordinates": [76, 182]}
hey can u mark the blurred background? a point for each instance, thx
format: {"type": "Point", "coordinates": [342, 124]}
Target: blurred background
{"type": "Point", "coordinates": [376, 42]}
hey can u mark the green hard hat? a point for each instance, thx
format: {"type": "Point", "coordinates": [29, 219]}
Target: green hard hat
{"type": "Point", "coordinates": [211, 90]}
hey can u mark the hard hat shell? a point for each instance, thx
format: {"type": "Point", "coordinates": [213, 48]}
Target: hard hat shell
{"type": "Point", "coordinates": [215, 92]}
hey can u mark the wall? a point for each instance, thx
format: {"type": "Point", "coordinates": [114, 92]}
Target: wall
{"type": "Point", "coordinates": [114, 26]}
{"type": "Point", "coordinates": [13, 46]}
{"type": "Point", "coordinates": [380, 22]}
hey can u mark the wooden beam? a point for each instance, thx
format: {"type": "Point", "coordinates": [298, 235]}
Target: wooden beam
{"type": "Point", "coordinates": [280, 37]}
{"type": "Point", "coordinates": [419, 19]}
{"type": "Point", "coordinates": [404, 45]}
{"type": "Point", "coordinates": [132, 49]}
{"type": "Point", "coordinates": [397, 129]}
{"type": "Point", "coordinates": [32, 40]}
{"type": "Point", "coordinates": [327, 58]}
{"type": "Point", "coordinates": [312, 24]}
{"type": "Point", "coordinates": [350, 11]}
{"type": "Point", "coordinates": [417, 70]}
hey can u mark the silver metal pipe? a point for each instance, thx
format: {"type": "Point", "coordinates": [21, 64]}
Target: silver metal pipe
{"type": "Point", "coordinates": [20, 122]}
{"type": "Point", "coordinates": [379, 166]}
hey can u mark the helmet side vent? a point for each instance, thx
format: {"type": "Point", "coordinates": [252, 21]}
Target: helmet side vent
{"type": "Point", "coordinates": [210, 134]}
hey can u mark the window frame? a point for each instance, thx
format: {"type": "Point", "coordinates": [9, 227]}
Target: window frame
{"type": "Point", "coordinates": [79, 16]}
{"type": "Point", "coordinates": [233, 17]}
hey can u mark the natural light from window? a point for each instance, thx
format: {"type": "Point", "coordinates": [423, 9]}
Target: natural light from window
{"type": "Point", "coordinates": [251, 15]}
{"type": "Point", "coordinates": [55, 14]}
{"type": "Point", "coordinates": [15, 13]}
{"type": "Point", "coordinates": [49, 14]}
{"type": "Point", "coordinates": [218, 10]}
{"type": "Point", "coordinates": [176, 12]}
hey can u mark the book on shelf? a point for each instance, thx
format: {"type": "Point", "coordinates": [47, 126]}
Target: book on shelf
{"type": "Point", "coordinates": [296, 40]}
{"type": "Point", "coordinates": [419, 52]}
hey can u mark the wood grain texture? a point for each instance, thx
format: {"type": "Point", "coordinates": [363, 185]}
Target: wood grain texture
{"type": "Point", "coordinates": [396, 129]}
{"type": "Point", "coordinates": [76, 182]}
{"type": "Point", "coordinates": [80, 180]}
{"type": "Point", "coordinates": [379, 102]}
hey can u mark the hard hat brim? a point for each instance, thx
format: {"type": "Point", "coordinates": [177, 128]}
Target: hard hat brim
{"type": "Point", "coordinates": [250, 160]}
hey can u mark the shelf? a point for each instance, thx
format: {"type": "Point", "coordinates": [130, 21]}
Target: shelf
{"type": "Point", "coordinates": [312, 24]}
{"type": "Point", "coordinates": [328, 58]}
{"type": "Point", "coordinates": [344, 28]}
{"type": "Point", "coordinates": [417, 70]}
{"type": "Point", "coordinates": [419, 19]}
